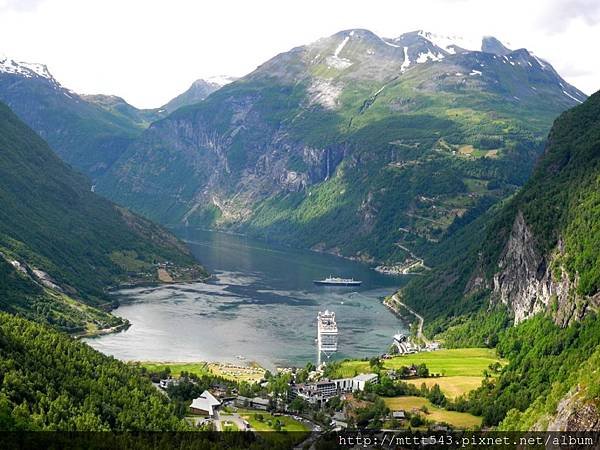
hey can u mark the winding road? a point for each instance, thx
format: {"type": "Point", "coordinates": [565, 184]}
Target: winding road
{"type": "Point", "coordinates": [395, 300]}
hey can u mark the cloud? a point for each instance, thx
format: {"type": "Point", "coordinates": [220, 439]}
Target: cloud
{"type": "Point", "coordinates": [559, 13]}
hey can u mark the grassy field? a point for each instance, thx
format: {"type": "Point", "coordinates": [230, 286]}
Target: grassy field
{"type": "Point", "coordinates": [454, 418]}
{"type": "Point", "coordinates": [288, 423]}
{"type": "Point", "coordinates": [229, 426]}
{"type": "Point", "coordinates": [452, 387]}
{"type": "Point", "coordinates": [228, 371]}
{"type": "Point", "coordinates": [464, 362]}
{"type": "Point", "coordinates": [176, 368]}
{"type": "Point", "coordinates": [267, 430]}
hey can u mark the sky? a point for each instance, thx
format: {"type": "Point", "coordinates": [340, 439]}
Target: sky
{"type": "Point", "coordinates": [149, 51]}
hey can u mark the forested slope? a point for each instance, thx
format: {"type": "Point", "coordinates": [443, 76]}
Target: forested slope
{"type": "Point", "coordinates": [59, 241]}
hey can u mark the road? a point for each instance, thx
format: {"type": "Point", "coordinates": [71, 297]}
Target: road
{"type": "Point", "coordinates": [235, 418]}
{"type": "Point", "coordinates": [396, 300]}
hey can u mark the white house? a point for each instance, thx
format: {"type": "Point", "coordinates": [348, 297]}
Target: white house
{"type": "Point", "coordinates": [206, 404]}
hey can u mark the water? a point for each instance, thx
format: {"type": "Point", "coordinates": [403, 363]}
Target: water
{"type": "Point", "coordinates": [261, 305]}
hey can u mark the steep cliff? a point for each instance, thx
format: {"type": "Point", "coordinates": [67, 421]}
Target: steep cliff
{"type": "Point", "coordinates": [61, 244]}
{"type": "Point", "coordinates": [536, 256]}
{"type": "Point", "coordinates": [353, 144]}
{"type": "Point", "coordinates": [538, 251]}
{"type": "Point", "coordinates": [527, 285]}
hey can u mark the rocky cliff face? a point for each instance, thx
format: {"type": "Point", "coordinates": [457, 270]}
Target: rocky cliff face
{"type": "Point", "coordinates": [343, 142]}
{"type": "Point", "coordinates": [573, 414]}
{"type": "Point", "coordinates": [527, 285]}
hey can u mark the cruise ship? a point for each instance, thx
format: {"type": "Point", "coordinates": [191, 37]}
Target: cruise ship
{"type": "Point", "coordinates": [336, 281]}
{"type": "Point", "coordinates": [327, 333]}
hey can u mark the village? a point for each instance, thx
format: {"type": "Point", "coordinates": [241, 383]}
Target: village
{"type": "Point", "coordinates": [232, 397]}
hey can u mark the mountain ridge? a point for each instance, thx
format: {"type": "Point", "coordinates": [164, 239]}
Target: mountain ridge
{"type": "Point", "coordinates": [62, 246]}
{"type": "Point", "coordinates": [262, 154]}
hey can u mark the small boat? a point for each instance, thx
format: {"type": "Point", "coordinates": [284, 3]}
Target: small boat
{"type": "Point", "coordinates": [336, 281]}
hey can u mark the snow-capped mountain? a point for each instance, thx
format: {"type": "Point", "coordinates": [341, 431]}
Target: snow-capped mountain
{"type": "Point", "coordinates": [25, 69]}
{"type": "Point", "coordinates": [422, 129]}
{"type": "Point", "coordinates": [442, 63]}
{"type": "Point", "coordinates": [83, 132]}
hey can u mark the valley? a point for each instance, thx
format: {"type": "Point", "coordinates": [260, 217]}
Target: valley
{"type": "Point", "coordinates": [362, 233]}
{"type": "Point", "coordinates": [260, 305]}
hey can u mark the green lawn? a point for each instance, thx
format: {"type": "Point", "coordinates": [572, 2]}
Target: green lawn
{"type": "Point", "coordinates": [266, 429]}
{"type": "Point", "coordinates": [470, 362]}
{"type": "Point", "coordinates": [452, 387]}
{"type": "Point", "coordinates": [197, 368]}
{"type": "Point", "coordinates": [229, 426]}
{"type": "Point", "coordinates": [288, 423]}
{"type": "Point", "coordinates": [434, 413]}
{"type": "Point", "coordinates": [251, 374]}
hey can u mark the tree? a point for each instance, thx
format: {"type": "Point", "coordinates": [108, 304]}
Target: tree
{"type": "Point", "coordinates": [416, 420]}
{"type": "Point", "coordinates": [422, 371]}
{"type": "Point", "coordinates": [375, 363]}
{"type": "Point", "coordinates": [299, 405]}
{"type": "Point", "coordinates": [436, 396]}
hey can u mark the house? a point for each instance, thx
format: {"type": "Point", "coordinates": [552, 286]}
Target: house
{"type": "Point", "coordinates": [164, 384]}
{"type": "Point", "coordinates": [398, 415]}
{"type": "Point", "coordinates": [256, 402]}
{"type": "Point", "coordinates": [316, 392]}
{"type": "Point", "coordinates": [325, 389]}
{"type": "Point", "coordinates": [403, 344]}
{"type": "Point", "coordinates": [260, 403]}
{"type": "Point", "coordinates": [205, 405]}
{"type": "Point", "coordinates": [360, 381]}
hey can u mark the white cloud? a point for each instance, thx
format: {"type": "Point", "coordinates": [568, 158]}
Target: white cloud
{"type": "Point", "coordinates": [149, 51]}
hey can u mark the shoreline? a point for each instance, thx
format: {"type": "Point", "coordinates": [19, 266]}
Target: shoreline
{"type": "Point", "coordinates": [369, 262]}
{"type": "Point", "coordinates": [103, 331]}
{"type": "Point", "coordinates": [392, 302]}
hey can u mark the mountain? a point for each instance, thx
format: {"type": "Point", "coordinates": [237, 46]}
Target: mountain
{"type": "Point", "coordinates": [532, 262]}
{"type": "Point", "coordinates": [117, 106]}
{"type": "Point", "coordinates": [198, 91]}
{"type": "Point", "coordinates": [52, 382]}
{"type": "Point", "coordinates": [88, 135]}
{"type": "Point", "coordinates": [369, 147]}
{"type": "Point", "coordinates": [61, 246]}
{"type": "Point", "coordinates": [537, 251]}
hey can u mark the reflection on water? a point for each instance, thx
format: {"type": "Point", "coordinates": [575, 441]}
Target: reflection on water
{"type": "Point", "coordinates": [261, 304]}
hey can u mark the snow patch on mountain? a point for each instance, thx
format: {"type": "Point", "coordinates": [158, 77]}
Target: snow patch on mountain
{"type": "Point", "coordinates": [450, 44]}
{"type": "Point", "coordinates": [569, 95]}
{"type": "Point", "coordinates": [337, 62]}
{"type": "Point", "coordinates": [221, 80]}
{"type": "Point", "coordinates": [340, 47]}
{"type": "Point", "coordinates": [29, 70]}
{"type": "Point", "coordinates": [406, 62]}
{"type": "Point", "coordinates": [429, 56]}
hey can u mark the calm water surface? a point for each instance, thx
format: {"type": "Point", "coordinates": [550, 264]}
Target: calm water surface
{"type": "Point", "coordinates": [261, 305]}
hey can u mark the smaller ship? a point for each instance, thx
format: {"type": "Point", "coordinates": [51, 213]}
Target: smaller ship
{"type": "Point", "coordinates": [336, 281]}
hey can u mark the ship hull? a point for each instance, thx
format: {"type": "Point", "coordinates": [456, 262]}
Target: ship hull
{"type": "Point", "coordinates": [337, 283]}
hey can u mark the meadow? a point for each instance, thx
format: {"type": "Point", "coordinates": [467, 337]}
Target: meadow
{"type": "Point", "coordinates": [434, 413]}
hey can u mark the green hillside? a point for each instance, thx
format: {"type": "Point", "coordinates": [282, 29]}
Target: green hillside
{"type": "Point", "coordinates": [363, 151]}
{"type": "Point", "coordinates": [559, 205]}
{"type": "Point", "coordinates": [49, 381]}
{"type": "Point", "coordinates": [59, 239]}
{"type": "Point", "coordinates": [478, 287]}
